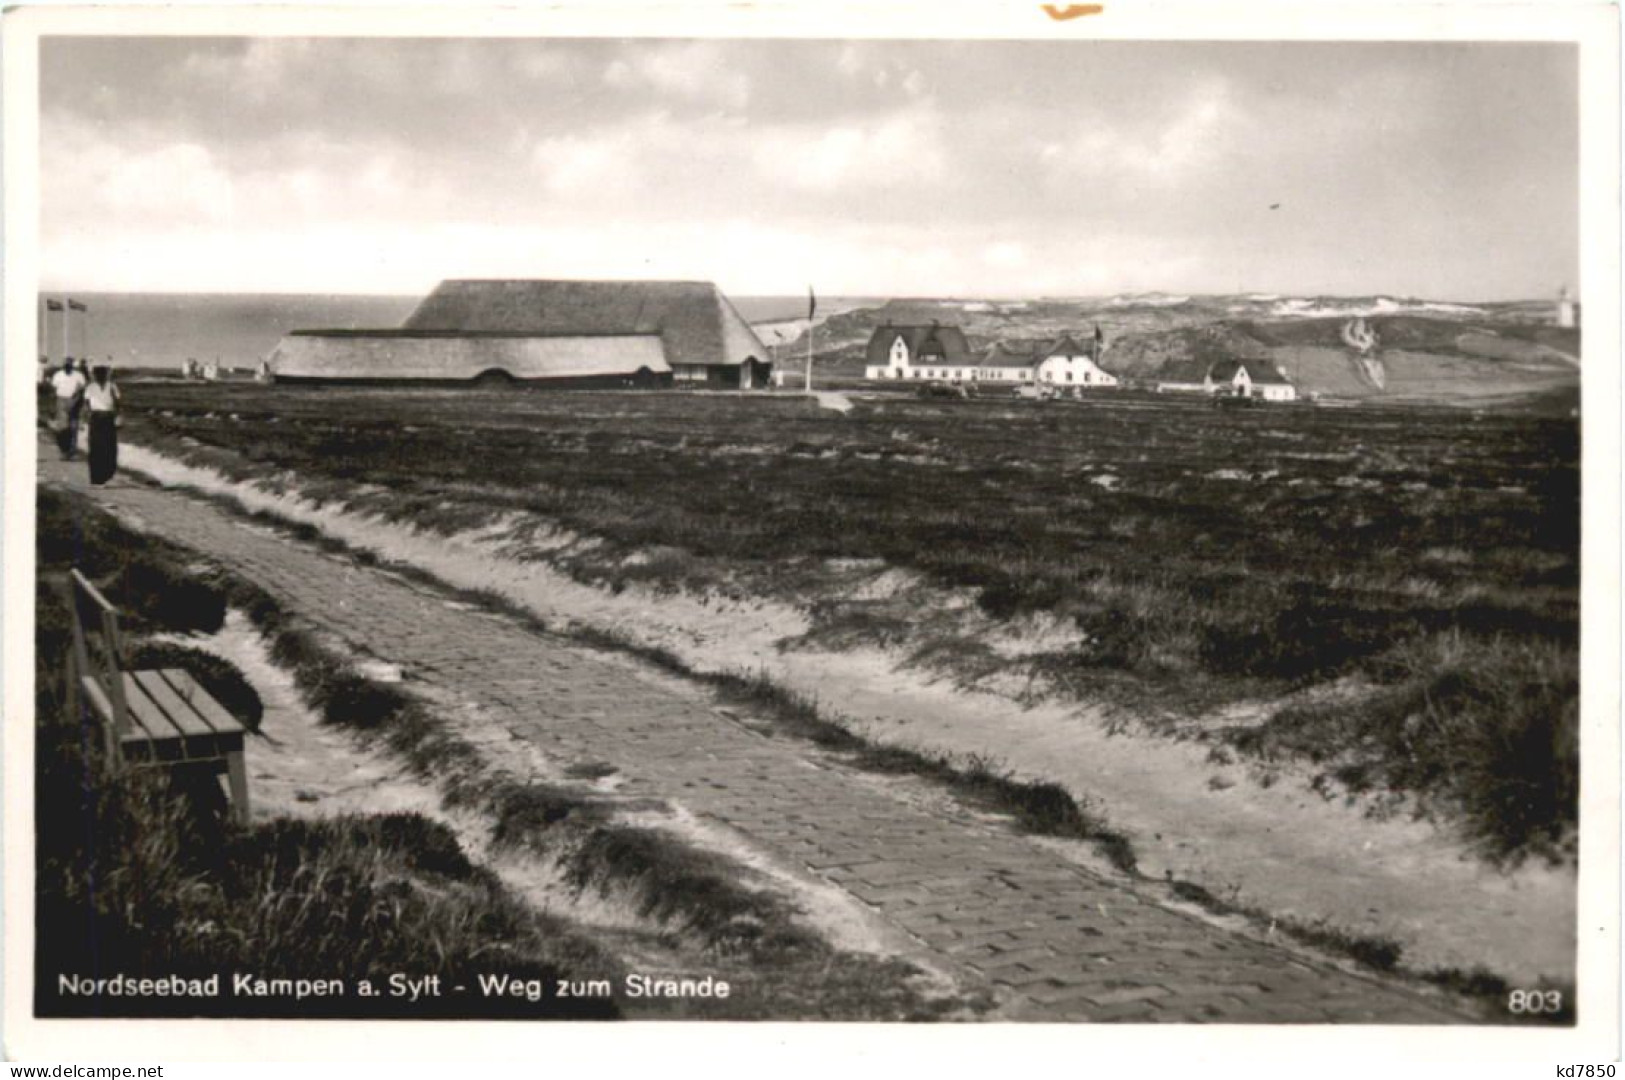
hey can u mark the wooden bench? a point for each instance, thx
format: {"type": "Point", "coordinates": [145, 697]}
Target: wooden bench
{"type": "Point", "coordinates": [160, 717]}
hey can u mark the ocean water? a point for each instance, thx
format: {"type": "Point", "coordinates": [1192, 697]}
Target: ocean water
{"type": "Point", "coordinates": [161, 330]}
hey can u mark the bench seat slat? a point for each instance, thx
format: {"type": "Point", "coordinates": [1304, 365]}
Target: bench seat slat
{"type": "Point", "coordinates": [182, 718]}
{"type": "Point", "coordinates": [147, 713]}
{"type": "Point", "coordinates": [152, 736]}
{"type": "Point", "coordinates": [196, 739]}
{"type": "Point", "coordinates": [145, 717]}
{"type": "Point", "coordinates": [213, 713]}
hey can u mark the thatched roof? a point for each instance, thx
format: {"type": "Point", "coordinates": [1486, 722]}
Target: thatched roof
{"type": "Point", "coordinates": [695, 322]}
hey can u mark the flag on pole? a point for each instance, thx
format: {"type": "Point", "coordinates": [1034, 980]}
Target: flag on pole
{"type": "Point", "coordinates": [812, 302]}
{"type": "Point", "coordinates": [74, 305]}
{"type": "Point", "coordinates": [53, 305]}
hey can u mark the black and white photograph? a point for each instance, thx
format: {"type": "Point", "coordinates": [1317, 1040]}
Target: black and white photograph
{"type": "Point", "coordinates": [824, 522]}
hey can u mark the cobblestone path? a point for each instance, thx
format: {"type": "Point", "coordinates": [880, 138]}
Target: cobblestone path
{"type": "Point", "coordinates": [1056, 941]}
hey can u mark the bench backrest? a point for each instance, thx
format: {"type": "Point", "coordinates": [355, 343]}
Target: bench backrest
{"type": "Point", "coordinates": [98, 647]}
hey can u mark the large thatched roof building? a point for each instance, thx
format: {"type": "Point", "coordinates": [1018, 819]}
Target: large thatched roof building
{"type": "Point", "coordinates": [581, 333]}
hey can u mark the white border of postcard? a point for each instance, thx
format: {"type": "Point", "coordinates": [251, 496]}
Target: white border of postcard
{"type": "Point", "coordinates": [725, 1048]}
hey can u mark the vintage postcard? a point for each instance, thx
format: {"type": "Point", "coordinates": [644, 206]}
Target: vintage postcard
{"type": "Point", "coordinates": [1047, 520]}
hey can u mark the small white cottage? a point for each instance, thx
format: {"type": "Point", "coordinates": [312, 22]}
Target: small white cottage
{"type": "Point", "coordinates": [1249, 378]}
{"type": "Point", "coordinates": [1066, 363]}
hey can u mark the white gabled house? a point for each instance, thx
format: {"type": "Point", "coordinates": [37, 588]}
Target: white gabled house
{"type": "Point", "coordinates": [935, 352]}
{"type": "Point", "coordinates": [1066, 363]}
{"type": "Point", "coordinates": [1250, 379]}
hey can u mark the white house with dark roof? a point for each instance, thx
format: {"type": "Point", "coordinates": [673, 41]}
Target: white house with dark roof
{"type": "Point", "coordinates": [1003, 364]}
{"type": "Point", "coordinates": [932, 353]}
{"type": "Point", "coordinates": [1063, 365]}
{"type": "Point", "coordinates": [1067, 364]}
{"type": "Point", "coordinates": [1249, 378]}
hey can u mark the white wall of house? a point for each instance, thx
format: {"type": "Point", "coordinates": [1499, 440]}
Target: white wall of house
{"type": "Point", "coordinates": [1093, 374]}
{"type": "Point", "coordinates": [928, 372]}
{"type": "Point", "coordinates": [1074, 370]}
{"type": "Point", "coordinates": [1060, 370]}
{"type": "Point", "coordinates": [405, 356]}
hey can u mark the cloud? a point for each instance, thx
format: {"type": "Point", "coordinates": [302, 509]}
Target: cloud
{"type": "Point", "coordinates": [259, 70]}
{"type": "Point", "coordinates": [579, 164]}
{"type": "Point", "coordinates": [850, 60]}
{"type": "Point", "coordinates": [1202, 130]}
{"type": "Point", "coordinates": [92, 181]}
{"type": "Point", "coordinates": [1004, 254]}
{"type": "Point", "coordinates": [898, 150]}
{"type": "Point", "coordinates": [701, 71]}
{"type": "Point", "coordinates": [893, 166]}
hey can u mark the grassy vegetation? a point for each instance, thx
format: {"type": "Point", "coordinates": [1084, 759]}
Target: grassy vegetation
{"type": "Point", "coordinates": [1039, 807]}
{"type": "Point", "coordinates": [1202, 557]}
{"type": "Point", "coordinates": [1492, 725]}
{"type": "Point", "coordinates": [361, 866]}
{"type": "Point", "coordinates": [137, 873]}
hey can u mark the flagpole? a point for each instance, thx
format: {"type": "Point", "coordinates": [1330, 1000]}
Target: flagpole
{"type": "Point", "coordinates": [812, 307]}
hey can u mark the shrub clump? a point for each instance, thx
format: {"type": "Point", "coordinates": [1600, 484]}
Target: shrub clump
{"type": "Point", "coordinates": [1489, 726]}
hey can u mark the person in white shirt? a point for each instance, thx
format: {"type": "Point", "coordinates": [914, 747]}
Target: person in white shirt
{"type": "Point", "coordinates": [101, 400]}
{"type": "Point", "coordinates": [69, 386]}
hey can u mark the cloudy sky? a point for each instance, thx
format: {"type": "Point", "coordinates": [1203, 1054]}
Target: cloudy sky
{"type": "Point", "coordinates": [868, 168]}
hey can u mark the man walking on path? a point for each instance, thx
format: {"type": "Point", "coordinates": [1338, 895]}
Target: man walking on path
{"type": "Point", "coordinates": [69, 386]}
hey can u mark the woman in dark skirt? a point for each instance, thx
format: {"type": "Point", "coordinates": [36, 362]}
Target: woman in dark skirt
{"type": "Point", "coordinates": [101, 402]}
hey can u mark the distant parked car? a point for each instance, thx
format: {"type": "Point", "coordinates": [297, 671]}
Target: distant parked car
{"type": "Point", "coordinates": [943, 390]}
